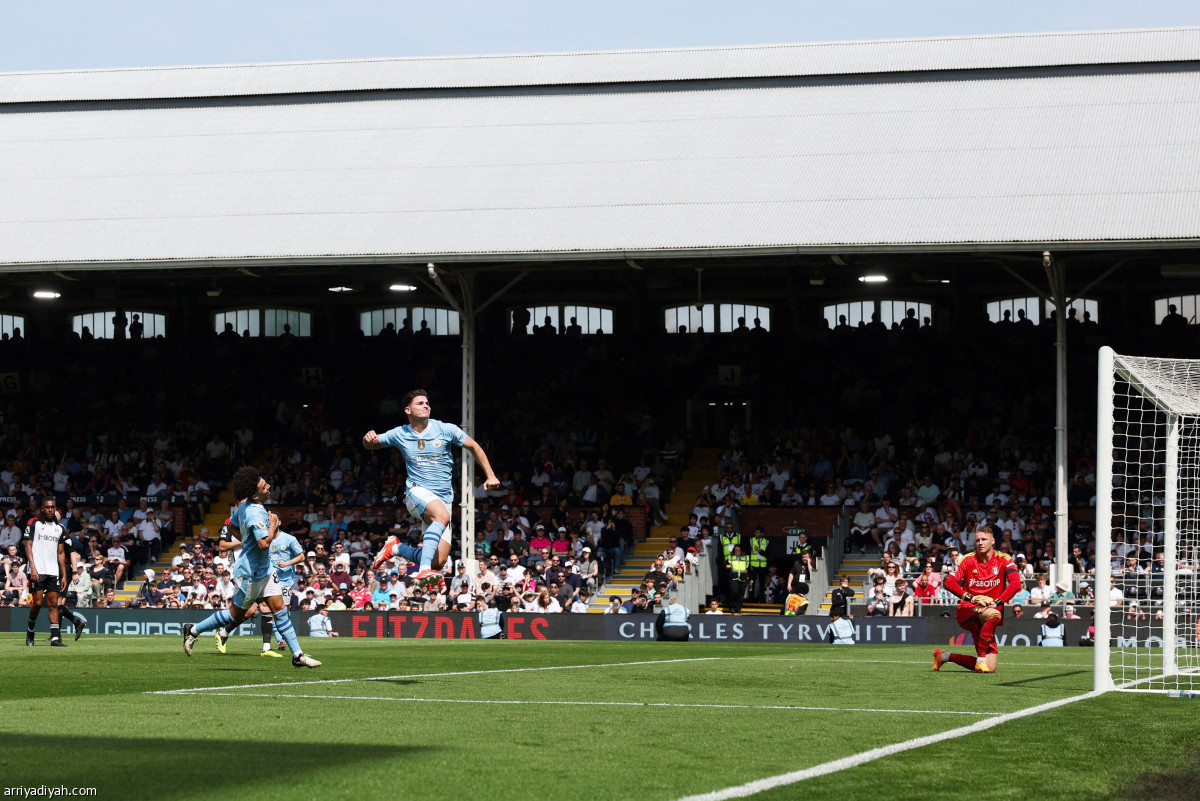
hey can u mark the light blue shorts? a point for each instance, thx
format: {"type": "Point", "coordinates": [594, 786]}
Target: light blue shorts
{"type": "Point", "coordinates": [418, 498]}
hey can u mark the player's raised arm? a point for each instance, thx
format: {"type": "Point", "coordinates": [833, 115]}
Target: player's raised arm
{"type": "Point", "coordinates": [371, 441]}
{"type": "Point", "coordinates": [953, 583]}
{"type": "Point", "coordinates": [490, 480]}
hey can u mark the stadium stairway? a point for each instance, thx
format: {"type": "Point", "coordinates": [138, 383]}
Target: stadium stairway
{"type": "Point", "coordinates": [213, 521]}
{"type": "Point", "coordinates": [702, 467]}
{"type": "Point", "coordinates": [855, 566]}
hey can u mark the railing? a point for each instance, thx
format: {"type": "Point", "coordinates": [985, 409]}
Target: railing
{"type": "Point", "coordinates": [825, 573]}
{"type": "Point", "coordinates": [698, 584]}
{"type": "Point", "coordinates": [1144, 589]}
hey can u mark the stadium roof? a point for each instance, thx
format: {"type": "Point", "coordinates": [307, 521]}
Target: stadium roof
{"type": "Point", "coordinates": [1066, 140]}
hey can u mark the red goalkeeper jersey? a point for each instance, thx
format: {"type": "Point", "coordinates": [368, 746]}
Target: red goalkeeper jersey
{"type": "Point", "coordinates": [997, 577]}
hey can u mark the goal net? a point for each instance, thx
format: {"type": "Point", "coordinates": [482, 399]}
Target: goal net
{"type": "Point", "coordinates": [1147, 524]}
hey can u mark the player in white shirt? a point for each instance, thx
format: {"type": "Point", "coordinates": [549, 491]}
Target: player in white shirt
{"type": "Point", "coordinates": [46, 557]}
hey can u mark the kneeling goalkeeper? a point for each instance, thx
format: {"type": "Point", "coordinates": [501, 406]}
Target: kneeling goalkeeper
{"type": "Point", "coordinates": [985, 580]}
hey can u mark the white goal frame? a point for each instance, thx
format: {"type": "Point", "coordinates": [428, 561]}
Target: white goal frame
{"type": "Point", "coordinates": [1138, 668]}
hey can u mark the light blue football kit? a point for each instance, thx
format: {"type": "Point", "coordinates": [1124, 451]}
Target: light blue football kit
{"type": "Point", "coordinates": [430, 464]}
{"type": "Point", "coordinates": [254, 573]}
{"type": "Point", "coordinates": [284, 548]}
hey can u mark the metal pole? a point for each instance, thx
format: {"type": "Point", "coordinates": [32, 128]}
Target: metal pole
{"type": "Point", "coordinates": [467, 479]}
{"type": "Point", "coordinates": [1170, 545]}
{"type": "Point", "coordinates": [1102, 673]}
{"type": "Point", "coordinates": [1055, 272]}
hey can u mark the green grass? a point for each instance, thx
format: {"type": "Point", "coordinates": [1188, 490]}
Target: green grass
{"type": "Point", "coordinates": [86, 716]}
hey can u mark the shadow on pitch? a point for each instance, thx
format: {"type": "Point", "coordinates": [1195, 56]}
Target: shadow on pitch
{"type": "Point", "coordinates": [168, 768]}
{"type": "Point", "coordinates": [1037, 679]}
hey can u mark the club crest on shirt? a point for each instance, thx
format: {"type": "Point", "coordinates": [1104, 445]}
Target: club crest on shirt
{"type": "Point", "coordinates": [995, 571]}
{"type": "Point", "coordinates": [437, 443]}
{"type": "Point", "coordinates": [420, 444]}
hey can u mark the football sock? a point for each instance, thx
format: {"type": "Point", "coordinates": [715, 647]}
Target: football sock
{"type": "Point", "coordinates": [429, 544]}
{"type": "Point", "coordinates": [55, 632]}
{"type": "Point", "coordinates": [32, 621]}
{"type": "Point", "coordinates": [987, 632]}
{"type": "Point", "coordinates": [231, 626]}
{"type": "Point", "coordinates": [283, 625]}
{"type": "Point", "coordinates": [267, 629]}
{"type": "Point", "coordinates": [962, 660]}
{"type": "Point", "coordinates": [215, 620]}
{"type": "Point", "coordinates": [77, 620]}
{"type": "Point", "coordinates": [410, 552]}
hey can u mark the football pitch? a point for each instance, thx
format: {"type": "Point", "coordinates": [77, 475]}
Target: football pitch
{"type": "Point", "coordinates": [136, 718]}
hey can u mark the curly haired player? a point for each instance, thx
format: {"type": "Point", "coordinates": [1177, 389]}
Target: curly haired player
{"type": "Point", "coordinates": [256, 576]}
{"type": "Point", "coordinates": [985, 580]}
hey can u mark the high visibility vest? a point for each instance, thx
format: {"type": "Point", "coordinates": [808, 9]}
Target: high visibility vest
{"type": "Point", "coordinates": [758, 551]}
{"type": "Point", "coordinates": [738, 565]}
{"type": "Point", "coordinates": [795, 605]}
{"type": "Point", "coordinates": [727, 543]}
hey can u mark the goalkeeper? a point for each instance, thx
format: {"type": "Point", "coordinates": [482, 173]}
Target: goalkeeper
{"type": "Point", "coordinates": [985, 580]}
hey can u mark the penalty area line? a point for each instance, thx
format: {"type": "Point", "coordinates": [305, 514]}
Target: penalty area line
{"type": "Point", "coordinates": [194, 690]}
{"type": "Point", "coordinates": [670, 704]}
{"type": "Point", "coordinates": [770, 783]}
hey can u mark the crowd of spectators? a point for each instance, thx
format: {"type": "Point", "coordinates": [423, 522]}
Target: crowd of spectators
{"type": "Point", "coordinates": [915, 498]}
{"type": "Point", "coordinates": [965, 445]}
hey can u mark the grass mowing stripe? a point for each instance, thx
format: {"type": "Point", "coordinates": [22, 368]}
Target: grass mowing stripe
{"type": "Point", "coordinates": [853, 761]}
{"type": "Point", "coordinates": [195, 690]}
{"type": "Point", "coordinates": [671, 704]}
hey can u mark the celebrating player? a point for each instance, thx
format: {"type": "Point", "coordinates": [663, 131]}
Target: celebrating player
{"type": "Point", "coordinates": [255, 576]}
{"type": "Point", "coordinates": [47, 561]}
{"type": "Point", "coordinates": [285, 553]}
{"type": "Point", "coordinates": [985, 580]}
{"type": "Point", "coordinates": [425, 444]}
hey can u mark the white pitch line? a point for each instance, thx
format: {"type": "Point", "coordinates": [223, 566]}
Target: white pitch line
{"type": "Point", "coordinates": [192, 690]}
{"type": "Point", "coordinates": [1005, 663]}
{"type": "Point", "coordinates": [670, 704]}
{"type": "Point", "coordinates": [853, 761]}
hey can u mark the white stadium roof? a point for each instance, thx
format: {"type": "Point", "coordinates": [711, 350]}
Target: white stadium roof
{"type": "Point", "coordinates": [995, 142]}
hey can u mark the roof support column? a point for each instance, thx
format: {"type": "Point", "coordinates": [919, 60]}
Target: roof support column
{"type": "Point", "coordinates": [1056, 274]}
{"type": "Point", "coordinates": [467, 314]}
{"type": "Point", "coordinates": [465, 306]}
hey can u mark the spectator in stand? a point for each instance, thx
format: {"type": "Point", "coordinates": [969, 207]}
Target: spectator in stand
{"type": "Point", "coordinates": [900, 604]}
{"type": "Point", "coordinates": [877, 599]}
{"type": "Point", "coordinates": [588, 570]}
{"type": "Point", "coordinates": [928, 493]}
{"type": "Point", "coordinates": [1040, 593]}
{"type": "Point", "coordinates": [862, 529]}
{"type": "Point", "coordinates": [10, 532]}
{"type": "Point", "coordinates": [886, 518]}
{"type": "Point", "coordinates": [117, 558]}
{"type": "Point", "coordinates": [540, 541]}
{"type": "Point", "coordinates": [611, 546]}
{"type": "Point", "coordinates": [16, 583]}
{"type": "Point", "coordinates": [545, 604]}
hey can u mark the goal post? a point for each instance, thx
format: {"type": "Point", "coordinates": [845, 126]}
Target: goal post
{"type": "Point", "coordinates": [1147, 524]}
